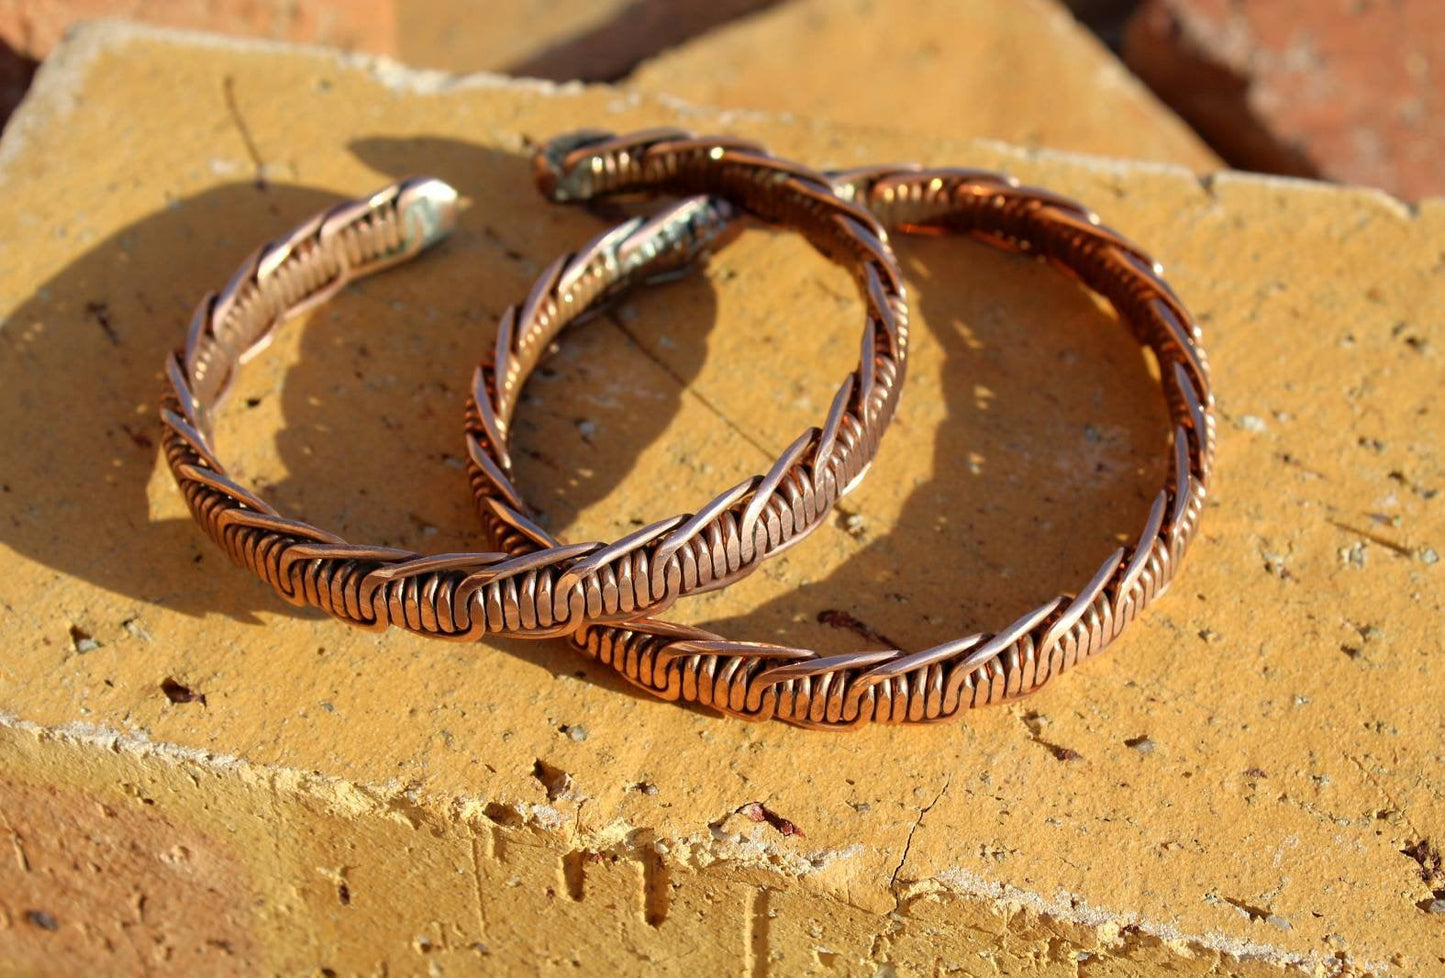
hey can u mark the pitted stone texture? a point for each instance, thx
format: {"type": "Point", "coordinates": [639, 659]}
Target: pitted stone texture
{"type": "Point", "coordinates": [1018, 70]}
{"type": "Point", "coordinates": [1345, 91]}
{"type": "Point", "coordinates": [1285, 817]}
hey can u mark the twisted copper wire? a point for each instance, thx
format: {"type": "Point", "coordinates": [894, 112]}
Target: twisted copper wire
{"type": "Point", "coordinates": [760, 680]}
{"type": "Point", "coordinates": [518, 590]}
{"type": "Point", "coordinates": [761, 516]}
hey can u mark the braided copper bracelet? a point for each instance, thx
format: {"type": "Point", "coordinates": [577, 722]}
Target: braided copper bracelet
{"type": "Point", "coordinates": [644, 572]}
{"type": "Point", "coordinates": [468, 595]}
{"type": "Point", "coordinates": [761, 681]}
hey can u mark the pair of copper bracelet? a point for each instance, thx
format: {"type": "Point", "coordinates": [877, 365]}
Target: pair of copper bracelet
{"type": "Point", "coordinates": [605, 597]}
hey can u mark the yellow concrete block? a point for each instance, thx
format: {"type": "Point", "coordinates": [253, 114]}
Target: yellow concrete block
{"type": "Point", "coordinates": [1250, 782]}
{"type": "Point", "coordinates": [1023, 71]}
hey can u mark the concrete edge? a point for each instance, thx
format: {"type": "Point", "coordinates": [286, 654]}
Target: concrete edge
{"type": "Point", "coordinates": [1112, 928]}
{"type": "Point", "coordinates": [53, 92]}
{"type": "Point", "coordinates": [53, 96]}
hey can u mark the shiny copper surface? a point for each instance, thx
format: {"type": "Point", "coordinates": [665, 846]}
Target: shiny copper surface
{"type": "Point", "coordinates": [519, 590]}
{"type": "Point", "coordinates": [763, 681]}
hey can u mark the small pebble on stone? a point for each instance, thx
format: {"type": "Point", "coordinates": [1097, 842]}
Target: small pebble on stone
{"type": "Point", "coordinates": [1353, 555]}
{"type": "Point", "coordinates": [41, 919]}
{"type": "Point", "coordinates": [1142, 744]}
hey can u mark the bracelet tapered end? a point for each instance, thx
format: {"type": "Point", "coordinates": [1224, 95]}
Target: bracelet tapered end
{"type": "Point", "coordinates": [427, 208]}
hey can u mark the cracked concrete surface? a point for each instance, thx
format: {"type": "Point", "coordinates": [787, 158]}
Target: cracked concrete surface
{"type": "Point", "coordinates": [1287, 774]}
{"type": "Point", "coordinates": [908, 843]}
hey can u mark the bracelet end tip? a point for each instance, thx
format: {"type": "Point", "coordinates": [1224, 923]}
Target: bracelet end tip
{"type": "Point", "coordinates": [549, 163]}
{"type": "Point", "coordinates": [428, 208]}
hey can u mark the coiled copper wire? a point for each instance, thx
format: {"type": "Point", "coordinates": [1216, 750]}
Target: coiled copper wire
{"type": "Point", "coordinates": [765, 681]}
{"type": "Point", "coordinates": [521, 589]}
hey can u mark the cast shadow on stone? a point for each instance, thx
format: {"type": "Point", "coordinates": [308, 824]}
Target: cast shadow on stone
{"type": "Point", "coordinates": [362, 430]}
{"type": "Point", "coordinates": [82, 377]}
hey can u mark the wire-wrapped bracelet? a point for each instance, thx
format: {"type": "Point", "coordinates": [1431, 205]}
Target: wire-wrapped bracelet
{"type": "Point", "coordinates": [643, 573]}
{"type": "Point", "coordinates": [468, 595]}
{"type": "Point", "coordinates": [759, 680]}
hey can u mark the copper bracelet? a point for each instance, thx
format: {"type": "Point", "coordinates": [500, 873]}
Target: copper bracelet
{"type": "Point", "coordinates": [468, 595]}
{"type": "Point", "coordinates": [760, 680]}
{"type": "Point", "coordinates": [566, 586]}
